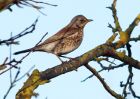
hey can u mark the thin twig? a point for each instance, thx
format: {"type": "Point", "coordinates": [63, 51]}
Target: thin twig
{"type": "Point", "coordinates": [13, 63]}
{"type": "Point", "coordinates": [10, 57]}
{"type": "Point", "coordinates": [11, 40]}
{"type": "Point", "coordinates": [16, 79]}
{"type": "Point", "coordinates": [107, 88]}
{"type": "Point", "coordinates": [17, 62]}
{"type": "Point", "coordinates": [12, 84]}
{"type": "Point", "coordinates": [103, 69]}
{"type": "Point", "coordinates": [33, 4]}
{"type": "Point", "coordinates": [135, 38]}
{"type": "Point", "coordinates": [42, 3]}
{"type": "Point", "coordinates": [25, 74]}
{"type": "Point", "coordinates": [114, 12]}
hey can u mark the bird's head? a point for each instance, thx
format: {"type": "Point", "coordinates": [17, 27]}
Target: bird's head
{"type": "Point", "coordinates": [79, 21]}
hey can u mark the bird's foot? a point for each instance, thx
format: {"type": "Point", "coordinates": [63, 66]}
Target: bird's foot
{"type": "Point", "coordinates": [69, 59]}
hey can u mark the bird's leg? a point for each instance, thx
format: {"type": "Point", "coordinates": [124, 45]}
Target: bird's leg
{"type": "Point", "coordinates": [60, 58]}
{"type": "Point", "coordinates": [67, 57]}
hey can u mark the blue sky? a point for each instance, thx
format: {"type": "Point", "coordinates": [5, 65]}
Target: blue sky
{"type": "Point", "coordinates": [68, 86]}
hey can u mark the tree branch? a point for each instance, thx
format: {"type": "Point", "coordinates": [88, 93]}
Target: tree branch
{"type": "Point", "coordinates": [26, 31]}
{"type": "Point", "coordinates": [107, 88]}
{"type": "Point", "coordinates": [6, 4]}
{"type": "Point", "coordinates": [116, 21]}
{"type": "Point", "coordinates": [102, 50]}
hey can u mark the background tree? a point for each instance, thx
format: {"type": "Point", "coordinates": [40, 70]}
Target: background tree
{"type": "Point", "coordinates": [114, 51]}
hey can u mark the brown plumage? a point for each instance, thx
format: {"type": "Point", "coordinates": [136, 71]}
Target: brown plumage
{"type": "Point", "coordinates": [66, 40]}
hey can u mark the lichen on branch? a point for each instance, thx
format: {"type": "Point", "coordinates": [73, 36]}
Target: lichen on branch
{"type": "Point", "coordinates": [30, 85]}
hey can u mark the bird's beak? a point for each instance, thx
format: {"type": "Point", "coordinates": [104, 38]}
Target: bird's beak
{"type": "Point", "coordinates": [89, 20]}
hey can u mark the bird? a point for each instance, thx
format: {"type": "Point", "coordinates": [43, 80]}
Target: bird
{"type": "Point", "coordinates": [64, 41]}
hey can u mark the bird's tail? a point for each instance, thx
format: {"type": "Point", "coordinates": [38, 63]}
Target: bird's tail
{"type": "Point", "coordinates": [23, 51]}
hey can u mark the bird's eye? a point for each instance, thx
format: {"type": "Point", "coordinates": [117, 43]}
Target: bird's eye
{"type": "Point", "coordinates": [81, 20]}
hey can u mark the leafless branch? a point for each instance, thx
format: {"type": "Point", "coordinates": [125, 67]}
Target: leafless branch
{"type": "Point", "coordinates": [135, 38]}
{"type": "Point", "coordinates": [107, 88]}
{"type": "Point", "coordinates": [14, 62]}
{"type": "Point", "coordinates": [16, 79]}
{"type": "Point", "coordinates": [116, 21]}
{"type": "Point", "coordinates": [27, 31]}
{"type": "Point", "coordinates": [30, 3]}
{"type": "Point", "coordinates": [110, 67]}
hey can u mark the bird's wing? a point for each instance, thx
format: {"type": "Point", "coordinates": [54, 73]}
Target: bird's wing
{"type": "Point", "coordinates": [65, 32]}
